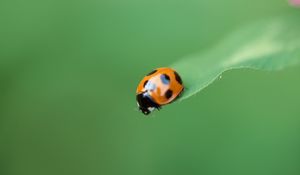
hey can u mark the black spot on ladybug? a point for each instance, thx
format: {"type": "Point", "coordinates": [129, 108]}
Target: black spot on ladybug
{"type": "Point", "coordinates": [165, 79]}
{"type": "Point", "coordinates": [145, 83]}
{"type": "Point", "coordinates": [152, 72]}
{"type": "Point", "coordinates": [169, 94]}
{"type": "Point", "coordinates": [167, 76]}
{"type": "Point", "coordinates": [177, 77]}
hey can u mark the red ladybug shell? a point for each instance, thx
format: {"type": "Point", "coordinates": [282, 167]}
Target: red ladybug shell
{"type": "Point", "coordinates": [163, 85]}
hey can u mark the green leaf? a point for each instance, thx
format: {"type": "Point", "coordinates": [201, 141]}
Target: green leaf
{"type": "Point", "coordinates": [270, 44]}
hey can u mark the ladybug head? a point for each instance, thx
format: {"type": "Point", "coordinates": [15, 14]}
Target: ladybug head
{"type": "Point", "coordinates": [145, 103]}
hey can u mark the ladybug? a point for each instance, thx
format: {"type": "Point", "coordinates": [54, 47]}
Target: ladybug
{"type": "Point", "coordinates": [160, 87]}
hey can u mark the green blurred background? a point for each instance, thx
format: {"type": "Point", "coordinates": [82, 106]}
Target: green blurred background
{"type": "Point", "coordinates": [69, 69]}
